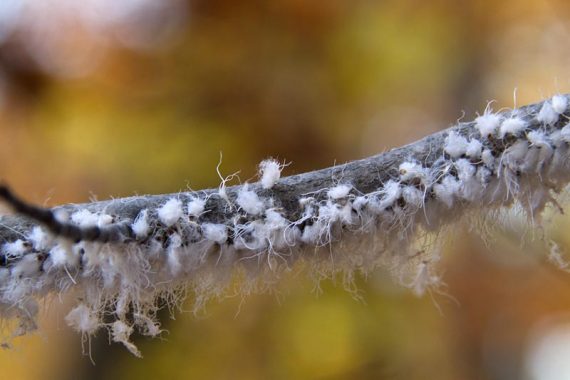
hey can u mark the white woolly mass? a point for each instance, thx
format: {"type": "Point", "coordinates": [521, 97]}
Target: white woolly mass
{"type": "Point", "coordinates": [218, 233]}
{"type": "Point", "coordinates": [512, 126]}
{"type": "Point", "coordinates": [28, 266]}
{"type": "Point", "coordinates": [85, 218]}
{"type": "Point", "coordinates": [141, 226]}
{"type": "Point", "coordinates": [62, 256]}
{"type": "Point", "coordinates": [270, 172]}
{"type": "Point", "coordinates": [465, 169]}
{"type": "Point", "coordinates": [39, 238]}
{"type": "Point", "coordinates": [390, 194]}
{"type": "Point", "coordinates": [488, 123]}
{"type": "Point", "coordinates": [170, 212]}
{"type": "Point", "coordinates": [174, 253]}
{"type": "Point", "coordinates": [474, 149]}
{"type": "Point", "coordinates": [447, 190]}
{"type": "Point", "coordinates": [413, 196]}
{"type": "Point", "coordinates": [559, 103]}
{"type": "Point", "coordinates": [15, 248]}
{"type": "Point", "coordinates": [455, 144]}
{"type": "Point", "coordinates": [412, 170]}
{"type": "Point", "coordinates": [339, 191]}
{"type": "Point", "coordinates": [121, 333]}
{"type": "Point", "coordinates": [488, 158]}
{"type": "Point", "coordinates": [196, 207]}
{"type": "Point", "coordinates": [538, 139]}
{"type": "Point", "coordinates": [249, 201]}
{"type": "Point", "coordinates": [83, 319]}
{"type": "Point", "coordinates": [547, 115]}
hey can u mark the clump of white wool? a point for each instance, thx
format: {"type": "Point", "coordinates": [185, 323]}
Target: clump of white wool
{"type": "Point", "coordinates": [121, 333]}
{"type": "Point", "coordinates": [447, 190]}
{"type": "Point", "coordinates": [474, 149]}
{"type": "Point", "coordinates": [141, 226]}
{"type": "Point", "coordinates": [488, 123]}
{"type": "Point", "coordinates": [547, 115]}
{"type": "Point", "coordinates": [39, 238]}
{"type": "Point", "coordinates": [15, 248]}
{"type": "Point", "coordinates": [413, 196]}
{"type": "Point", "coordinates": [249, 201]}
{"type": "Point", "coordinates": [488, 158]}
{"type": "Point", "coordinates": [339, 191]}
{"type": "Point", "coordinates": [512, 126]}
{"type": "Point", "coordinates": [455, 144]}
{"type": "Point", "coordinates": [412, 170]}
{"type": "Point", "coordinates": [62, 256]}
{"type": "Point", "coordinates": [390, 193]}
{"type": "Point", "coordinates": [84, 218]}
{"type": "Point", "coordinates": [196, 206]}
{"type": "Point", "coordinates": [559, 104]}
{"type": "Point", "coordinates": [170, 212]}
{"type": "Point", "coordinates": [174, 253]}
{"type": "Point", "coordinates": [270, 172]}
{"type": "Point", "coordinates": [27, 266]}
{"type": "Point", "coordinates": [83, 319]}
{"type": "Point", "coordinates": [217, 233]}
{"type": "Point", "coordinates": [538, 139]}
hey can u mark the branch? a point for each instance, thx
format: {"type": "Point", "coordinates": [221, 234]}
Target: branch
{"type": "Point", "coordinates": [120, 256]}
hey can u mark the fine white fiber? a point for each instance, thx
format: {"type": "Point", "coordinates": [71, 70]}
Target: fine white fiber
{"type": "Point", "coordinates": [270, 172]}
{"type": "Point", "coordinates": [513, 157]}
{"type": "Point", "coordinates": [455, 145]}
{"type": "Point", "coordinates": [249, 201]}
{"type": "Point", "coordinates": [217, 233]}
{"type": "Point", "coordinates": [565, 133]}
{"type": "Point", "coordinates": [83, 319]}
{"type": "Point", "coordinates": [547, 115]}
{"type": "Point", "coordinates": [542, 151]}
{"type": "Point", "coordinates": [512, 126]}
{"type": "Point", "coordinates": [196, 207]}
{"type": "Point", "coordinates": [170, 212]}
{"type": "Point", "coordinates": [339, 191]}
{"type": "Point", "coordinates": [484, 176]}
{"type": "Point", "coordinates": [141, 226]}
{"type": "Point", "coordinates": [559, 104]}
{"type": "Point", "coordinates": [488, 123]}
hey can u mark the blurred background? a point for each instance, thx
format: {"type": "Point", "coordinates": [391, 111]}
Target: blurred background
{"type": "Point", "coordinates": [102, 98]}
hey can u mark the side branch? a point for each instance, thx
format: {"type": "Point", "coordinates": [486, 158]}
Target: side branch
{"type": "Point", "coordinates": [121, 255]}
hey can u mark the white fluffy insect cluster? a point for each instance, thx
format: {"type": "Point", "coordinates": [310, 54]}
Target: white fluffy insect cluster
{"type": "Point", "coordinates": [340, 220]}
{"type": "Point", "coordinates": [270, 172]}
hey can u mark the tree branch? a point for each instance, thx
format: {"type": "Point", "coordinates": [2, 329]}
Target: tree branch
{"type": "Point", "coordinates": [120, 255]}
